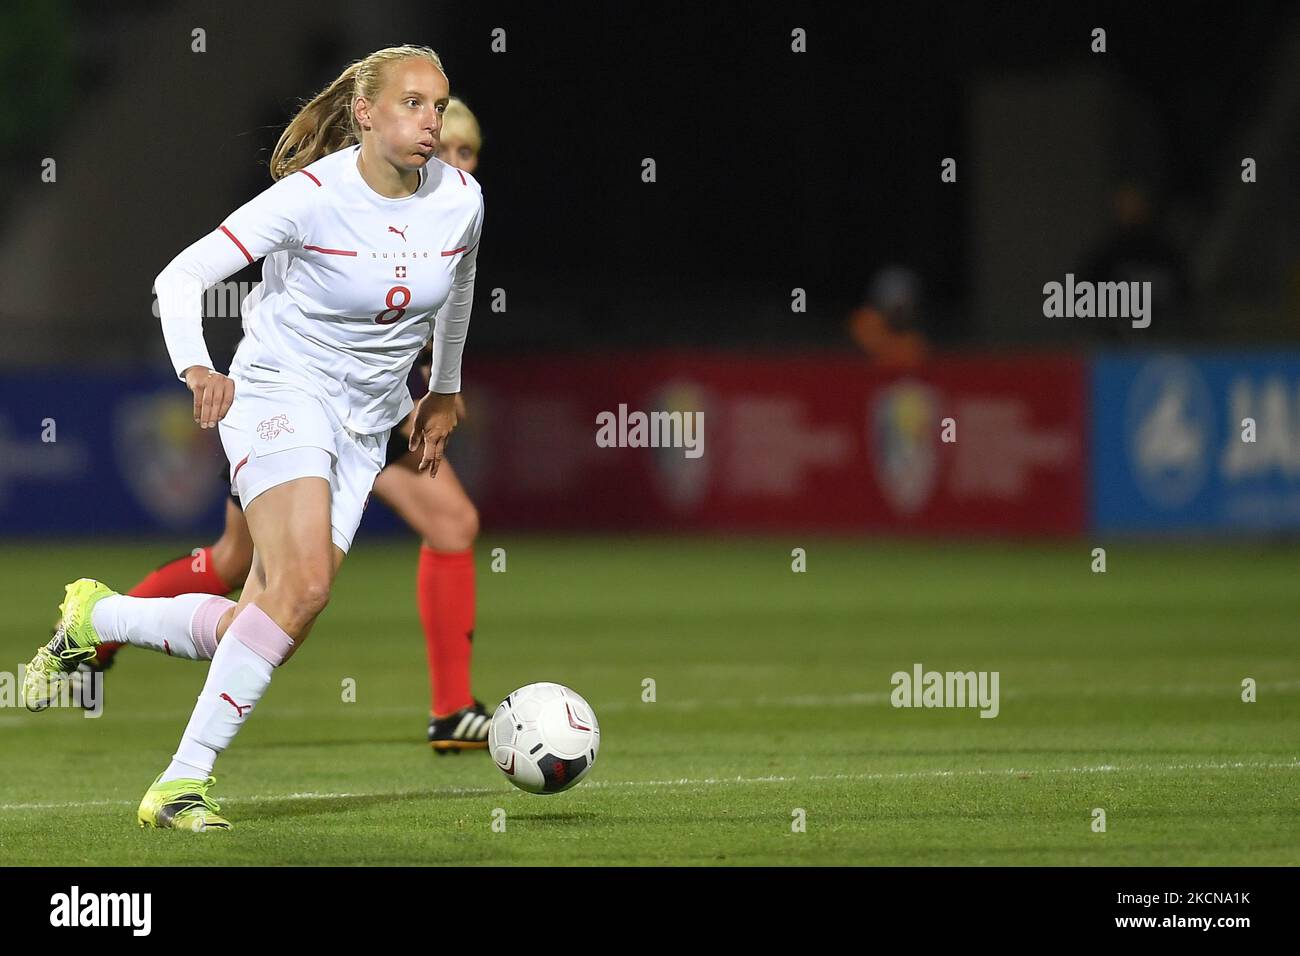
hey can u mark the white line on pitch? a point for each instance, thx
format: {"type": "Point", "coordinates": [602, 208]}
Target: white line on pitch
{"type": "Point", "coordinates": [707, 782]}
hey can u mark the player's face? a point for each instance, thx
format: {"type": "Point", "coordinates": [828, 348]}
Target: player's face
{"type": "Point", "coordinates": [407, 116]}
{"type": "Point", "coordinates": [456, 151]}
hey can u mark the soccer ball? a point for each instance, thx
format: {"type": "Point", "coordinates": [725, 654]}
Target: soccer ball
{"type": "Point", "coordinates": [544, 737]}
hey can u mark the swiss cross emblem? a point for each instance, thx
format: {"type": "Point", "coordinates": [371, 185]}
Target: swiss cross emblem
{"type": "Point", "coordinates": [401, 272]}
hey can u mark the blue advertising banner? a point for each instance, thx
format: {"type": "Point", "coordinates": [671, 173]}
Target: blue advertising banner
{"type": "Point", "coordinates": [86, 453]}
{"type": "Point", "coordinates": [1196, 442]}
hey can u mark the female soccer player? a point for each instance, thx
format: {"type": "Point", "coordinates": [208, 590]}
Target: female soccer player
{"type": "Point", "coordinates": [439, 511]}
{"type": "Point", "coordinates": [371, 252]}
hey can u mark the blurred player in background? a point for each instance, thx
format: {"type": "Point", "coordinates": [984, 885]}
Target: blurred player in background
{"type": "Point", "coordinates": [370, 245]}
{"type": "Point", "coordinates": [439, 511]}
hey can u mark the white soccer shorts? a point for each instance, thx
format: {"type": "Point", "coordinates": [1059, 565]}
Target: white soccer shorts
{"type": "Point", "coordinates": [274, 434]}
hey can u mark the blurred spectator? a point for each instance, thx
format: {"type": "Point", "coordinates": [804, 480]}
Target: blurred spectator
{"type": "Point", "coordinates": [1136, 249]}
{"type": "Point", "coordinates": [887, 326]}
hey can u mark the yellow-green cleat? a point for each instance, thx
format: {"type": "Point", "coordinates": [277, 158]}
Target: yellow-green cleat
{"type": "Point", "coordinates": [181, 805]}
{"type": "Point", "coordinates": [74, 642]}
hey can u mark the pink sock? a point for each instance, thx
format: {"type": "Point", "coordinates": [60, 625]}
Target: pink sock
{"type": "Point", "coordinates": [240, 673]}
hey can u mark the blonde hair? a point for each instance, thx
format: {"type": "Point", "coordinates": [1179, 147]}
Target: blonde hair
{"type": "Point", "coordinates": [328, 122]}
{"type": "Point", "coordinates": [461, 118]}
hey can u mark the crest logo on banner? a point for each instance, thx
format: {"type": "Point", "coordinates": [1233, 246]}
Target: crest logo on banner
{"type": "Point", "coordinates": [170, 464]}
{"type": "Point", "coordinates": [903, 434]}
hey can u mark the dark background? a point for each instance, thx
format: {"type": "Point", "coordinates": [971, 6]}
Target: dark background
{"type": "Point", "coordinates": [776, 170]}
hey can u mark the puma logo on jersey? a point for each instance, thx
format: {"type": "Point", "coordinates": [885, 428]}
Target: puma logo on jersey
{"type": "Point", "coordinates": [273, 426]}
{"type": "Point", "coordinates": [401, 232]}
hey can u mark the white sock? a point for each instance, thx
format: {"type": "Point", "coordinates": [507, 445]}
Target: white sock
{"type": "Point", "coordinates": [237, 679]}
{"type": "Point", "coordinates": [161, 624]}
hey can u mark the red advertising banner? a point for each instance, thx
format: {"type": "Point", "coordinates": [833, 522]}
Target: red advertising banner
{"type": "Point", "coordinates": [669, 441]}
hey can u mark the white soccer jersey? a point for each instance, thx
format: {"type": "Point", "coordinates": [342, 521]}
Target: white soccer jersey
{"type": "Point", "coordinates": [353, 286]}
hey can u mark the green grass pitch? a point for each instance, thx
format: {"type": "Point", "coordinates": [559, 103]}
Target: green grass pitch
{"type": "Point", "coordinates": [1120, 691]}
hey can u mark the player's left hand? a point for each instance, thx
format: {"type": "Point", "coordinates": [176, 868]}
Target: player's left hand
{"type": "Point", "coordinates": [408, 424]}
{"type": "Point", "coordinates": [435, 418]}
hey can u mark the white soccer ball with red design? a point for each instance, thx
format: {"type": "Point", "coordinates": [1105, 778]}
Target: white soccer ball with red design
{"type": "Point", "coordinates": [544, 737]}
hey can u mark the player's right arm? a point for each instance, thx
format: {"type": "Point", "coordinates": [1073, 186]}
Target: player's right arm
{"type": "Point", "coordinates": [269, 221]}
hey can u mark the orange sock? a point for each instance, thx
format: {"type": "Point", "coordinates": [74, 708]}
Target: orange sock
{"type": "Point", "coordinates": [444, 592]}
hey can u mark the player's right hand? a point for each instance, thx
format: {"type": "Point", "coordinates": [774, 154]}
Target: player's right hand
{"type": "Point", "coordinates": [214, 393]}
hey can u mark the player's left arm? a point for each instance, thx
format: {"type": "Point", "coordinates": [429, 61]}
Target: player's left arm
{"type": "Point", "coordinates": [424, 368]}
{"type": "Point", "coordinates": [436, 414]}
